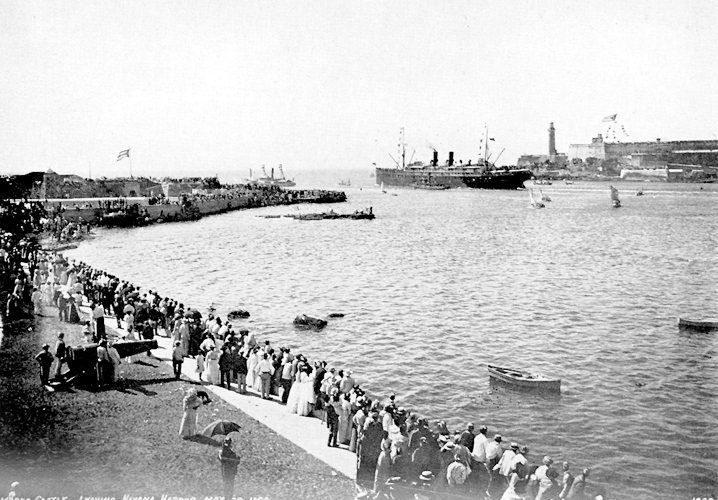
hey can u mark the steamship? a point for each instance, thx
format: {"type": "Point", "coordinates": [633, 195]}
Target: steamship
{"type": "Point", "coordinates": [481, 175]}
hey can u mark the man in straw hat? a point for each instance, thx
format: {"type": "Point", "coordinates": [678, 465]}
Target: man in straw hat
{"type": "Point", "coordinates": [426, 481]}
{"type": "Point", "coordinates": [544, 474]}
{"type": "Point", "coordinates": [504, 465]}
{"type": "Point", "coordinates": [493, 455]}
{"type": "Point", "coordinates": [45, 359]}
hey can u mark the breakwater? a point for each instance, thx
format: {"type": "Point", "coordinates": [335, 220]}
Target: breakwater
{"type": "Point", "coordinates": [119, 212]}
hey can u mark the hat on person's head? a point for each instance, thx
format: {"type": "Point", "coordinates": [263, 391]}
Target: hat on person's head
{"type": "Point", "coordinates": [483, 429]}
{"type": "Point", "coordinates": [443, 439]}
{"type": "Point", "coordinates": [423, 439]}
{"type": "Point", "coordinates": [178, 343]}
{"type": "Point", "coordinates": [547, 460]}
{"type": "Point", "coordinates": [227, 440]}
{"type": "Point", "coordinates": [60, 335]}
{"type": "Point", "coordinates": [332, 369]}
{"type": "Point", "coordinates": [514, 446]}
{"type": "Point", "coordinates": [524, 449]}
{"type": "Point", "coordinates": [45, 346]}
{"type": "Point", "coordinates": [427, 475]}
{"type": "Point", "coordinates": [470, 425]}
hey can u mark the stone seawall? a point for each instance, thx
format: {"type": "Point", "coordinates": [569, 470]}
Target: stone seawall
{"type": "Point", "coordinates": [209, 207]}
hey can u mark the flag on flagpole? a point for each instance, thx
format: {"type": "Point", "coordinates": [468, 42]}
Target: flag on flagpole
{"type": "Point", "coordinates": [123, 154]}
{"type": "Point", "coordinates": [610, 118]}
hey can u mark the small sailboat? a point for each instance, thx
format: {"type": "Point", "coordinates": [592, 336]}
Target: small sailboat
{"type": "Point", "coordinates": [614, 197]}
{"type": "Point", "coordinates": [544, 197]}
{"type": "Point", "coordinates": [534, 203]}
{"type": "Point", "coordinates": [639, 192]}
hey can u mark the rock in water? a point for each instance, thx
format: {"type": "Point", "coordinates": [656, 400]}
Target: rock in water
{"type": "Point", "coordinates": [309, 322]}
{"type": "Point", "coordinates": [238, 314]}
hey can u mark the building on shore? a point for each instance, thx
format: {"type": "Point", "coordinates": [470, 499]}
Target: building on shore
{"type": "Point", "coordinates": [51, 185]}
{"type": "Point", "coordinates": [693, 160]}
{"type": "Point", "coordinates": [538, 163]}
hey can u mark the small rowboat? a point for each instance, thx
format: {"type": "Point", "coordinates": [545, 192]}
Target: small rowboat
{"type": "Point", "coordinates": [698, 326]}
{"type": "Point", "coordinates": [524, 379]}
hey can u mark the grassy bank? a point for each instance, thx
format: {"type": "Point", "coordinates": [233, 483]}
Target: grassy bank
{"type": "Point", "coordinates": [125, 440]}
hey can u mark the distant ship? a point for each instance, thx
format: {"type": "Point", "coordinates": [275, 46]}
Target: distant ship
{"type": "Point", "coordinates": [482, 175]}
{"type": "Point", "coordinates": [271, 181]}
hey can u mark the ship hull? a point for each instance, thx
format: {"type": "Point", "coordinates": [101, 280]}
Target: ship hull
{"type": "Point", "coordinates": [454, 178]}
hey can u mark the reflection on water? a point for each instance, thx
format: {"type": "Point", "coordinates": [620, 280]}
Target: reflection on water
{"type": "Point", "coordinates": [443, 283]}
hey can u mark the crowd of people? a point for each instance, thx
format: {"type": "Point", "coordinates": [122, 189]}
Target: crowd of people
{"type": "Point", "coordinates": [398, 455]}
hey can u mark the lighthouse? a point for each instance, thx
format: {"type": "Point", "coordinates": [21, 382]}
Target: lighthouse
{"type": "Point", "coordinates": [551, 140]}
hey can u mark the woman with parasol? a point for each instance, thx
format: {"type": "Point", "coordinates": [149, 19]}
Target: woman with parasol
{"type": "Point", "coordinates": [192, 401]}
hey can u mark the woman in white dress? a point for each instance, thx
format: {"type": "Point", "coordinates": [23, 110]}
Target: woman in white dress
{"type": "Point", "coordinates": [200, 363]}
{"type": "Point", "coordinates": [345, 421]}
{"type": "Point", "coordinates": [307, 399]}
{"type": "Point", "coordinates": [191, 403]}
{"type": "Point", "coordinates": [251, 367]}
{"type": "Point", "coordinates": [295, 391]}
{"type": "Point", "coordinates": [257, 384]}
{"type": "Point", "coordinates": [47, 292]}
{"type": "Point", "coordinates": [212, 365]}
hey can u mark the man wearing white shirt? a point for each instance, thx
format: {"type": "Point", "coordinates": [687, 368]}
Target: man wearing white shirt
{"type": "Point", "coordinates": [504, 465]}
{"type": "Point", "coordinates": [478, 454]}
{"type": "Point", "coordinates": [494, 453]}
{"type": "Point", "coordinates": [98, 316]}
{"type": "Point", "coordinates": [521, 457]}
{"type": "Point", "coordinates": [265, 370]}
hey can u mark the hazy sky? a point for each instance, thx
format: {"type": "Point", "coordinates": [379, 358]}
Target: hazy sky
{"type": "Point", "coordinates": [214, 86]}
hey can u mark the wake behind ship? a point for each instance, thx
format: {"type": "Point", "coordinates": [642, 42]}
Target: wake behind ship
{"type": "Point", "coordinates": [481, 175]}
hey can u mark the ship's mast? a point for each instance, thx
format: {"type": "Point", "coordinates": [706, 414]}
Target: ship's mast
{"type": "Point", "coordinates": [486, 141]}
{"type": "Point", "coordinates": [402, 148]}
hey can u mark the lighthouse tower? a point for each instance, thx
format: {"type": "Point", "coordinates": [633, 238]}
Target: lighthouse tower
{"type": "Point", "coordinates": [551, 140]}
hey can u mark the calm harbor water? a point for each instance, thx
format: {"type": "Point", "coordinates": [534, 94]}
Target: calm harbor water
{"type": "Point", "coordinates": [443, 283]}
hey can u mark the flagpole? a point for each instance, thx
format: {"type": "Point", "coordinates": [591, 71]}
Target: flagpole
{"type": "Point", "coordinates": [130, 157]}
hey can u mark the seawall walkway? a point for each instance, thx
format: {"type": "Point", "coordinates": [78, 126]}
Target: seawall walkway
{"type": "Point", "coordinates": [308, 433]}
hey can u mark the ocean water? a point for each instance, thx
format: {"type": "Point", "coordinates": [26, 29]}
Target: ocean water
{"type": "Point", "coordinates": [443, 283]}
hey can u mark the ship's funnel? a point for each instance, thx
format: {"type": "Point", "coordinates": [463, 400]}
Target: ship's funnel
{"type": "Point", "coordinates": [435, 161]}
{"type": "Point", "coordinates": [272, 172]}
{"type": "Point", "coordinates": [451, 158]}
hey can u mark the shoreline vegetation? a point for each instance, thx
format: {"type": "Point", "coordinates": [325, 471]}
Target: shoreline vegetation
{"type": "Point", "coordinates": [124, 439]}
